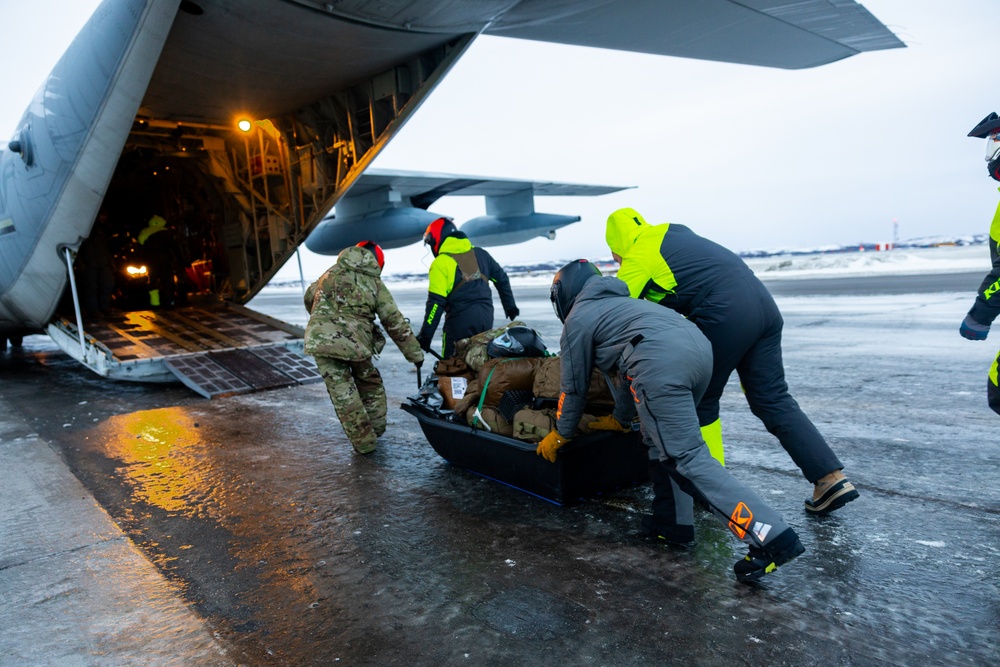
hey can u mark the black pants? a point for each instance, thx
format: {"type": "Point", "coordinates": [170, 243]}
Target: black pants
{"type": "Point", "coordinates": [744, 325]}
{"type": "Point", "coordinates": [468, 321]}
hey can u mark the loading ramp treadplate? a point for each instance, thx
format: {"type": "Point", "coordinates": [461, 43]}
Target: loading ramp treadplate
{"type": "Point", "coordinates": [231, 372]}
{"type": "Point", "coordinates": [301, 369]}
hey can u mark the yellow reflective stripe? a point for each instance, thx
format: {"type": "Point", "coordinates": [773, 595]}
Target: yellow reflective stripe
{"type": "Point", "coordinates": [995, 243]}
{"type": "Point", "coordinates": [661, 273]}
{"type": "Point", "coordinates": [455, 246]}
{"type": "Point", "coordinates": [441, 276]}
{"type": "Point", "coordinates": [147, 232]}
{"type": "Point", "coordinates": [995, 229]}
{"type": "Point", "coordinates": [994, 371]}
{"type": "Point", "coordinates": [652, 292]}
{"type": "Point", "coordinates": [645, 263]}
{"type": "Point", "coordinates": [633, 275]}
{"type": "Point", "coordinates": [623, 226]}
{"type": "Point", "coordinates": [712, 435]}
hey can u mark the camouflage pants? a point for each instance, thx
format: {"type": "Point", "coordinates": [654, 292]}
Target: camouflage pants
{"type": "Point", "coordinates": [358, 396]}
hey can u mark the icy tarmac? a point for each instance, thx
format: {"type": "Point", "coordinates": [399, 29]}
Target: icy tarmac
{"type": "Point", "coordinates": [292, 550]}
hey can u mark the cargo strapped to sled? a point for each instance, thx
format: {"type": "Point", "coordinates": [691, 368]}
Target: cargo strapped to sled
{"type": "Point", "coordinates": [476, 414]}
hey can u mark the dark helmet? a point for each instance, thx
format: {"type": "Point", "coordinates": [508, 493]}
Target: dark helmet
{"type": "Point", "coordinates": [437, 232]}
{"type": "Point", "coordinates": [987, 125]}
{"type": "Point", "coordinates": [567, 283]}
{"type": "Point", "coordinates": [989, 129]}
{"type": "Point", "coordinates": [517, 342]}
{"type": "Point", "coordinates": [376, 250]}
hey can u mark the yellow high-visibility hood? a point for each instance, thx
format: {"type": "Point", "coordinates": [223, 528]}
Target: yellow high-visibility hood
{"type": "Point", "coordinates": [624, 226]}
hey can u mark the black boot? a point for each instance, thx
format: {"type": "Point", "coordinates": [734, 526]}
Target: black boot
{"type": "Point", "coordinates": [663, 524]}
{"type": "Point", "coordinates": [761, 561]}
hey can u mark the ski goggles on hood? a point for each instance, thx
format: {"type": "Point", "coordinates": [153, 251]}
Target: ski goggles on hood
{"type": "Point", "coordinates": [993, 146]}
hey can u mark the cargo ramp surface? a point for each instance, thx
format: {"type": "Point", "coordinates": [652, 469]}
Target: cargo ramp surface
{"type": "Point", "coordinates": [216, 349]}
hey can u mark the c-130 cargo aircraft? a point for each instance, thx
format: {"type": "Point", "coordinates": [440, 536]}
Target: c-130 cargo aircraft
{"type": "Point", "coordinates": [245, 122]}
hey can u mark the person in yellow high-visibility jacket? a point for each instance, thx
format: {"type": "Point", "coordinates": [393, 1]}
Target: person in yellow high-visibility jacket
{"type": "Point", "coordinates": [163, 256]}
{"type": "Point", "coordinates": [986, 307]}
{"type": "Point", "coordinates": [459, 288]}
{"type": "Point", "coordinates": [715, 289]}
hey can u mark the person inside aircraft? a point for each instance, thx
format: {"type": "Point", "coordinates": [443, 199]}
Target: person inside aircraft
{"type": "Point", "coordinates": [16, 341]}
{"type": "Point", "coordinates": [663, 366]}
{"type": "Point", "coordinates": [459, 288]}
{"type": "Point", "coordinates": [95, 270]}
{"type": "Point", "coordinates": [343, 337]}
{"type": "Point", "coordinates": [163, 258]}
{"type": "Point", "coordinates": [986, 307]}
{"type": "Point", "coordinates": [712, 287]}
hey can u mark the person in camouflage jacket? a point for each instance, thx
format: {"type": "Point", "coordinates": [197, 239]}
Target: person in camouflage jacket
{"type": "Point", "coordinates": [343, 338]}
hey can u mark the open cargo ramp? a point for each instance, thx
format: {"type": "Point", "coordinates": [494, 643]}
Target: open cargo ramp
{"type": "Point", "coordinates": [216, 349]}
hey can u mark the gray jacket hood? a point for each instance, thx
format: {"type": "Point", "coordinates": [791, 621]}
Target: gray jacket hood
{"type": "Point", "coordinates": [602, 323]}
{"type": "Point", "coordinates": [601, 287]}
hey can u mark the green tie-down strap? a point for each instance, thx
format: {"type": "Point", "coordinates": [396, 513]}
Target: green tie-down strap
{"type": "Point", "coordinates": [477, 415]}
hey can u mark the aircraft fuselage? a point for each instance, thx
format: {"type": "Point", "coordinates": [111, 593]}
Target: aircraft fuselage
{"type": "Point", "coordinates": [139, 118]}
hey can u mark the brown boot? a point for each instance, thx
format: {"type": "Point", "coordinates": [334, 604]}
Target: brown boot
{"type": "Point", "coordinates": [832, 491]}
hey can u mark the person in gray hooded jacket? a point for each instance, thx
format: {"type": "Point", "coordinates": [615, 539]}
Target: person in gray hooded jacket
{"type": "Point", "coordinates": [665, 363]}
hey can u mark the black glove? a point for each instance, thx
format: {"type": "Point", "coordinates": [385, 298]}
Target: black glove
{"type": "Point", "coordinates": [512, 313]}
{"type": "Point", "coordinates": [419, 364]}
{"type": "Point", "coordinates": [425, 342]}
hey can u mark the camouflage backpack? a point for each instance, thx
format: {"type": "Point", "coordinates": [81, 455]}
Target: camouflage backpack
{"type": "Point", "coordinates": [473, 348]}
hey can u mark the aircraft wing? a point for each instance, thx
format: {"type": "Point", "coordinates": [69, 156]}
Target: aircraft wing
{"type": "Point", "coordinates": [771, 33]}
{"type": "Point", "coordinates": [424, 188]}
{"type": "Point", "coordinates": [390, 207]}
{"type": "Point", "coordinates": [788, 34]}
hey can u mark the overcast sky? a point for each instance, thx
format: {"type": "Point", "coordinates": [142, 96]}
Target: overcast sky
{"type": "Point", "coordinates": [748, 156]}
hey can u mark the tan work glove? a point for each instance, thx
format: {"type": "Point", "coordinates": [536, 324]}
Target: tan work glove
{"type": "Point", "coordinates": [549, 444]}
{"type": "Point", "coordinates": [608, 423]}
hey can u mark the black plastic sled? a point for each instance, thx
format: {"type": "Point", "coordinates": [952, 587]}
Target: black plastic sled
{"type": "Point", "coordinates": [587, 466]}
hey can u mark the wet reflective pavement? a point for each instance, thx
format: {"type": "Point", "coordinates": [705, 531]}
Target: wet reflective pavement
{"type": "Point", "coordinates": [293, 550]}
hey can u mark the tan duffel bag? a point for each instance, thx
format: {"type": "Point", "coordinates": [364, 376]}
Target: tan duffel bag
{"type": "Point", "coordinates": [454, 376]}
